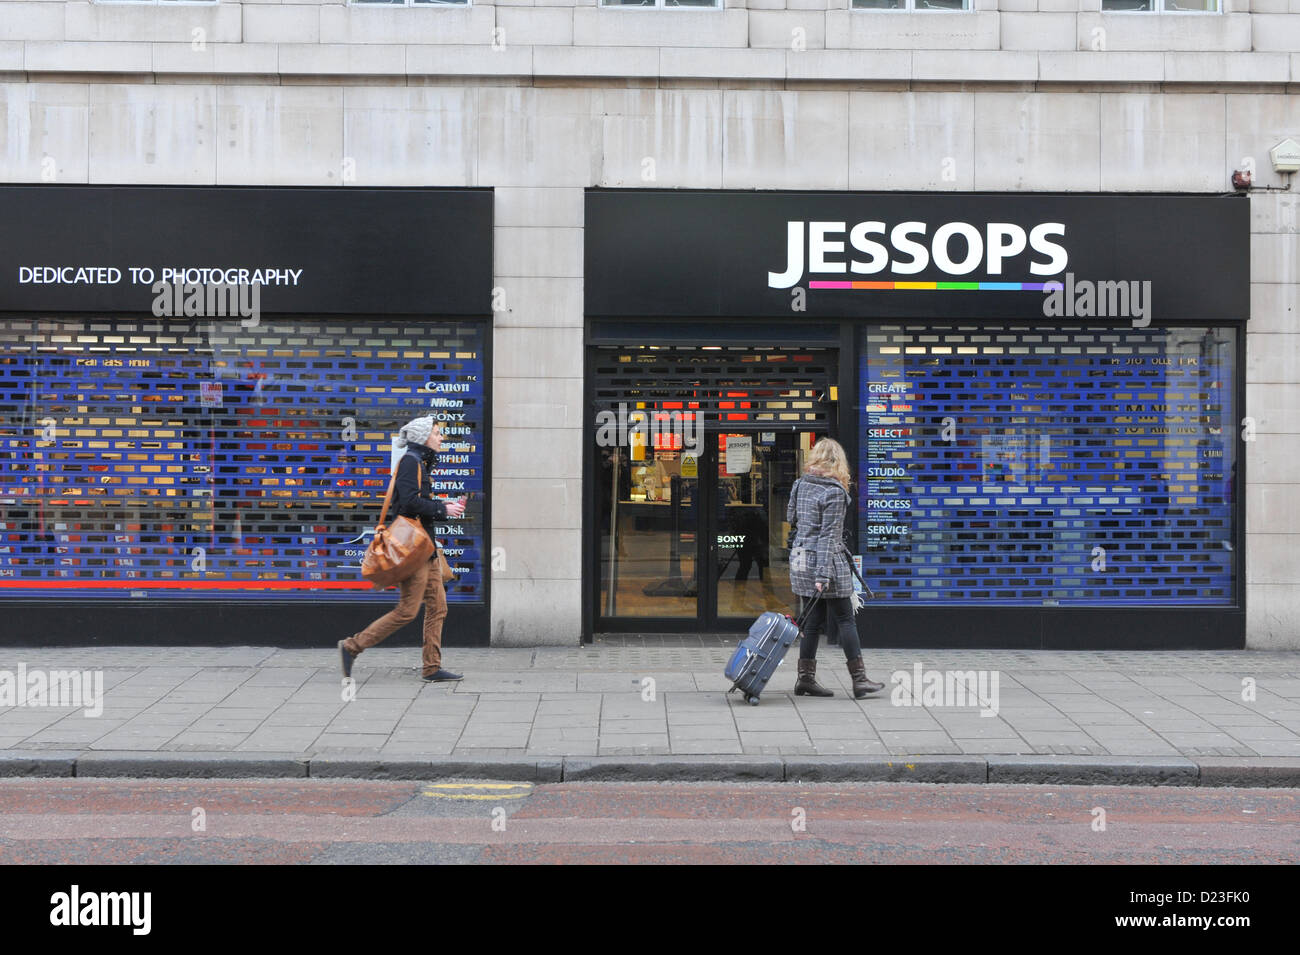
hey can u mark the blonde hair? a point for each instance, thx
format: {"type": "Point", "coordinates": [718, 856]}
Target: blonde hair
{"type": "Point", "coordinates": [827, 458]}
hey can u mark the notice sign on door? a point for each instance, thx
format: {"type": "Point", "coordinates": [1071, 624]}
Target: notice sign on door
{"type": "Point", "coordinates": [739, 455]}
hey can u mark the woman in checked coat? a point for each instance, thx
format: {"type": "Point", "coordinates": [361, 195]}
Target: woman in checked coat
{"type": "Point", "coordinates": [819, 563]}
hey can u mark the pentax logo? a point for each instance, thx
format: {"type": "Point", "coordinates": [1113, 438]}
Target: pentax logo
{"type": "Point", "coordinates": [74, 908]}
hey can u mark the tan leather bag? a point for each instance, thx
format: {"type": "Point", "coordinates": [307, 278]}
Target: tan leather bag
{"type": "Point", "coordinates": [444, 568]}
{"type": "Point", "coordinates": [397, 551]}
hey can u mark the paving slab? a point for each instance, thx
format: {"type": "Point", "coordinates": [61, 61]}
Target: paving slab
{"type": "Point", "coordinates": [1172, 717]}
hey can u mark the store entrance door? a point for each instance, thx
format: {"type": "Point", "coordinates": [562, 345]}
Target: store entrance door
{"type": "Point", "coordinates": [698, 539]}
{"type": "Point", "coordinates": [696, 449]}
{"type": "Point", "coordinates": [751, 475]}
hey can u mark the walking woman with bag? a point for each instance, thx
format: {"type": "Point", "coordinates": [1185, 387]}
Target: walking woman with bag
{"type": "Point", "coordinates": [413, 497]}
{"type": "Point", "coordinates": [819, 564]}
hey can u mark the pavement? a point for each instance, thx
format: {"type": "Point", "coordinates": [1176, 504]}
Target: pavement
{"type": "Point", "coordinates": [629, 708]}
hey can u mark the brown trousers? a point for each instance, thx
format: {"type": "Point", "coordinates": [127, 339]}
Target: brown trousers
{"type": "Point", "coordinates": [422, 587]}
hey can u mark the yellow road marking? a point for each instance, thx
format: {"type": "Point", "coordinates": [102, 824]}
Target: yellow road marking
{"type": "Point", "coordinates": [477, 796]}
{"type": "Point", "coordinates": [456, 790]}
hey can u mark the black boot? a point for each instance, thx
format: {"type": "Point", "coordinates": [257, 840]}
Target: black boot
{"type": "Point", "coordinates": [861, 685]}
{"type": "Point", "coordinates": [807, 684]}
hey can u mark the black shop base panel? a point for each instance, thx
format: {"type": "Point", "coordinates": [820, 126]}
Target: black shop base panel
{"type": "Point", "coordinates": [50, 623]}
{"type": "Point", "coordinates": [1052, 628]}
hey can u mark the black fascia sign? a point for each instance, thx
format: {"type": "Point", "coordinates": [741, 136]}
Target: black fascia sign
{"type": "Point", "coordinates": [66, 248]}
{"type": "Point", "coordinates": [951, 256]}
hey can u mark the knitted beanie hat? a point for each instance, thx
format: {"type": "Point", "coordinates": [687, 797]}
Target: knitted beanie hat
{"type": "Point", "coordinates": [416, 431]}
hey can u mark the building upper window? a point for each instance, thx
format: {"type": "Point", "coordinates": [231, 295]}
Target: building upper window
{"type": "Point", "coordinates": [411, 3]}
{"type": "Point", "coordinates": [1160, 6]}
{"type": "Point", "coordinates": [918, 5]}
{"type": "Point", "coordinates": [660, 4]}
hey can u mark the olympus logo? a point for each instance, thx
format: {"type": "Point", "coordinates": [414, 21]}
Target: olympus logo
{"type": "Point", "coordinates": [911, 248]}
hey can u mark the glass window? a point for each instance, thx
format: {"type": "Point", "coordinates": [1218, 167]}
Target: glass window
{"type": "Point", "coordinates": [696, 4]}
{"type": "Point", "coordinates": [1062, 466]}
{"type": "Point", "coordinates": [1160, 6]}
{"type": "Point", "coordinates": [207, 460]}
{"type": "Point", "coordinates": [912, 4]}
{"type": "Point", "coordinates": [408, 3]}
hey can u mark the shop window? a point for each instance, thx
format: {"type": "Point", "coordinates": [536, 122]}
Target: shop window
{"type": "Point", "coordinates": [199, 460]}
{"type": "Point", "coordinates": [1068, 466]}
{"type": "Point", "coordinates": [1160, 6]}
{"type": "Point", "coordinates": [914, 5]}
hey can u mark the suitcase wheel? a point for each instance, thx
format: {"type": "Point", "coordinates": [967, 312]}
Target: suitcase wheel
{"type": "Point", "coordinates": [752, 700]}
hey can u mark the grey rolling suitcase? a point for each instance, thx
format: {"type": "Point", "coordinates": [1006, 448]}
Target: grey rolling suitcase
{"type": "Point", "coordinates": [760, 653]}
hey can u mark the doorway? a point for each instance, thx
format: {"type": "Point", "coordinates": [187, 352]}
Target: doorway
{"type": "Point", "coordinates": [696, 452]}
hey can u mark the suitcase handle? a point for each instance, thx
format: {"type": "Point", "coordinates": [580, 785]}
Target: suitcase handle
{"type": "Point", "coordinates": [804, 616]}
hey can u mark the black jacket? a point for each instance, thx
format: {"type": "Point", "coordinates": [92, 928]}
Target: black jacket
{"type": "Point", "coordinates": [413, 491]}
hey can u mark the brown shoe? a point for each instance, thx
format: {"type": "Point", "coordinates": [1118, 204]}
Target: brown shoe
{"type": "Point", "coordinates": [807, 684]}
{"type": "Point", "coordinates": [861, 685]}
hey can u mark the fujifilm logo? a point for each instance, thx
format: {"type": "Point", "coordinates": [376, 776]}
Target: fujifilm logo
{"type": "Point", "coordinates": [102, 908]}
{"type": "Point", "coordinates": [908, 248]}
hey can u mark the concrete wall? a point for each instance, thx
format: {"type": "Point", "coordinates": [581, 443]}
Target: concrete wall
{"type": "Point", "coordinates": [997, 41]}
{"type": "Point", "coordinates": [1017, 95]}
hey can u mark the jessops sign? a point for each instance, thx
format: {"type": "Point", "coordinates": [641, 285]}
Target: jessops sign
{"type": "Point", "coordinates": [887, 255]}
{"type": "Point", "coordinates": [303, 250]}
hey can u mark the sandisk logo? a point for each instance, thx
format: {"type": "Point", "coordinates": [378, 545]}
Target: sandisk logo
{"type": "Point", "coordinates": [909, 252]}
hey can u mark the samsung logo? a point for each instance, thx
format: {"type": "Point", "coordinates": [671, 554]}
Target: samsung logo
{"type": "Point", "coordinates": [908, 248]}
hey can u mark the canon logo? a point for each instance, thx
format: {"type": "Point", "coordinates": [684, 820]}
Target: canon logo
{"type": "Point", "coordinates": [911, 248]}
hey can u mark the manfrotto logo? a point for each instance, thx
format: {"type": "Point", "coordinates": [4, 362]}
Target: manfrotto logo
{"type": "Point", "coordinates": [72, 688]}
{"type": "Point", "coordinates": [75, 907]}
{"type": "Point", "coordinates": [947, 688]}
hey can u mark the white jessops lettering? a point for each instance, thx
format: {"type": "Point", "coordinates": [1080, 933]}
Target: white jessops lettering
{"type": "Point", "coordinates": [1058, 257]}
{"type": "Point", "coordinates": [819, 246]}
{"type": "Point", "coordinates": [901, 236]}
{"type": "Point", "coordinates": [912, 246]}
{"type": "Point", "coordinates": [1006, 239]}
{"type": "Point", "coordinates": [974, 248]}
{"type": "Point", "coordinates": [794, 261]}
{"type": "Point", "coordinates": [858, 239]}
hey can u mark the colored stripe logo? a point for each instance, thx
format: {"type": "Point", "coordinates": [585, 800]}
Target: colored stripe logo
{"type": "Point", "coordinates": [937, 286]}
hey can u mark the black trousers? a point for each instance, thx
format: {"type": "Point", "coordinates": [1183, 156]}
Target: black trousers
{"type": "Point", "coordinates": [840, 612]}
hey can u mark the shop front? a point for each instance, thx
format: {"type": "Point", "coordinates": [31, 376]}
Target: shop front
{"type": "Point", "coordinates": [197, 392]}
{"type": "Point", "coordinates": [1042, 396]}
